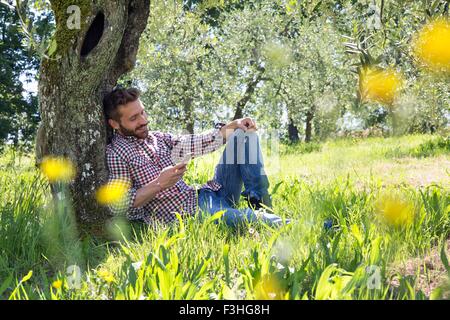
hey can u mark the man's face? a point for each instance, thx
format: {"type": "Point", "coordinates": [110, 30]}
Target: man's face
{"type": "Point", "coordinates": [133, 120]}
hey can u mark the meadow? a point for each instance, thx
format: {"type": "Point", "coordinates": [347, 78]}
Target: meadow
{"type": "Point", "coordinates": [371, 221]}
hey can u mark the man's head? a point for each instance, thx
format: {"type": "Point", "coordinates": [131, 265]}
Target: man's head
{"type": "Point", "coordinates": [125, 112]}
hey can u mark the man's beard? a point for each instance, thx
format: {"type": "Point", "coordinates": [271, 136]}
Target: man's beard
{"type": "Point", "coordinates": [138, 133]}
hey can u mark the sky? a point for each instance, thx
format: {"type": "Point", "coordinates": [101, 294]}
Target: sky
{"type": "Point", "coordinates": [30, 84]}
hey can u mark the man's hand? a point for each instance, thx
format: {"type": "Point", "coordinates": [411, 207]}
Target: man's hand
{"type": "Point", "coordinates": [244, 124]}
{"type": "Point", "coordinates": [166, 179]}
{"type": "Point", "coordinates": [170, 175]}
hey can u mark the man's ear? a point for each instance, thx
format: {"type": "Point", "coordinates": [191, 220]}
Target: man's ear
{"type": "Point", "coordinates": [114, 124]}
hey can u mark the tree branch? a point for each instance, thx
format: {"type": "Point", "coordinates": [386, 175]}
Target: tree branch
{"type": "Point", "coordinates": [137, 15]}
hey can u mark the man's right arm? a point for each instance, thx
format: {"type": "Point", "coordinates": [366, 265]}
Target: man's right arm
{"type": "Point", "coordinates": [168, 177]}
{"type": "Point", "coordinates": [119, 172]}
{"type": "Point", "coordinates": [137, 198]}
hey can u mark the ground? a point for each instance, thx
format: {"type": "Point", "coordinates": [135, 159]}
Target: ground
{"type": "Point", "coordinates": [432, 272]}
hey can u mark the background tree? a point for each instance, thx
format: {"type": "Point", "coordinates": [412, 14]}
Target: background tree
{"type": "Point", "coordinates": [175, 69]}
{"type": "Point", "coordinates": [18, 65]}
{"type": "Point", "coordinates": [383, 34]}
{"type": "Point", "coordinates": [314, 80]}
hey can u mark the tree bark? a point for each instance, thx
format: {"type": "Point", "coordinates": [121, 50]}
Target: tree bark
{"type": "Point", "coordinates": [249, 91]}
{"type": "Point", "coordinates": [86, 64]}
{"type": "Point", "coordinates": [252, 83]}
{"type": "Point", "coordinates": [308, 128]}
{"type": "Point", "coordinates": [188, 111]}
{"type": "Point", "coordinates": [293, 132]}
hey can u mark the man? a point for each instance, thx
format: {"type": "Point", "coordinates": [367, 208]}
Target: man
{"type": "Point", "coordinates": [152, 162]}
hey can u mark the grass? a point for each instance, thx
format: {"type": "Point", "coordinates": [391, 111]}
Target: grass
{"type": "Point", "coordinates": [340, 182]}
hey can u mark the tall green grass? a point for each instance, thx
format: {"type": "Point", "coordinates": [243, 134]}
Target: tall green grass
{"type": "Point", "coordinates": [194, 259]}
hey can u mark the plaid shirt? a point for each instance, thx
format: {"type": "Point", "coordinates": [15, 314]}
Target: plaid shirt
{"type": "Point", "coordinates": [139, 161]}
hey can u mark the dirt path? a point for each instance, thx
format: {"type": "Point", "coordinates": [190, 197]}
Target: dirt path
{"type": "Point", "coordinates": [429, 271]}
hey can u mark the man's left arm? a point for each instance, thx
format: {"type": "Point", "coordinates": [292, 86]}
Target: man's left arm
{"type": "Point", "coordinates": [244, 124]}
{"type": "Point", "coordinates": [207, 142]}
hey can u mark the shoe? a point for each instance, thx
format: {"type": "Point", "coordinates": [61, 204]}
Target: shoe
{"type": "Point", "coordinates": [328, 224]}
{"type": "Point", "coordinates": [271, 219]}
{"type": "Point", "coordinates": [255, 202]}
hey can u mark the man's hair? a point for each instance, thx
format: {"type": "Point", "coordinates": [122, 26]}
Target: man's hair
{"type": "Point", "coordinates": [118, 97]}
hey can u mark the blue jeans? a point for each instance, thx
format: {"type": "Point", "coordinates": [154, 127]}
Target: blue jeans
{"type": "Point", "coordinates": [241, 164]}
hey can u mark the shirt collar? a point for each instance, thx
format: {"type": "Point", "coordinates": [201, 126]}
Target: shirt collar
{"type": "Point", "coordinates": [118, 135]}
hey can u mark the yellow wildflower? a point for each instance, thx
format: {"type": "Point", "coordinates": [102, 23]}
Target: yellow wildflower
{"type": "Point", "coordinates": [113, 192]}
{"type": "Point", "coordinates": [395, 211]}
{"type": "Point", "coordinates": [106, 276]}
{"type": "Point", "coordinates": [379, 85]}
{"type": "Point", "coordinates": [57, 284]}
{"type": "Point", "coordinates": [432, 45]}
{"type": "Point", "coordinates": [58, 169]}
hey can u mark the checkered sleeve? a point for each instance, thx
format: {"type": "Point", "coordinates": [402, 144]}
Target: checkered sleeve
{"type": "Point", "coordinates": [120, 179]}
{"type": "Point", "coordinates": [196, 144]}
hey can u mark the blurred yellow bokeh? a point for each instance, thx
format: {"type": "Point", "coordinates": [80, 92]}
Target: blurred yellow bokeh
{"type": "Point", "coordinates": [58, 169]}
{"type": "Point", "coordinates": [113, 192]}
{"type": "Point", "coordinates": [431, 45]}
{"type": "Point", "coordinates": [106, 276]}
{"type": "Point", "coordinates": [277, 54]}
{"type": "Point", "coordinates": [379, 85]}
{"type": "Point", "coordinates": [269, 288]}
{"type": "Point", "coordinates": [57, 284]}
{"type": "Point", "coordinates": [395, 211]}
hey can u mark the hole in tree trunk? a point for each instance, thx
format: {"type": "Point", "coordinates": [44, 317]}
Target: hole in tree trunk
{"type": "Point", "coordinates": [93, 35]}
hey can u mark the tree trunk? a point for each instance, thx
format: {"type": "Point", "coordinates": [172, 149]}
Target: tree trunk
{"type": "Point", "coordinates": [87, 63]}
{"type": "Point", "coordinates": [187, 105]}
{"type": "Point", "coordinates": [293, 132]}
{"type": "Point", "coordinates": [249, 91]}
{"type": "Point", "coordinates": [308, 128]}
{"type": "Point", "coordinates": [188, 111]}
{"type": "Point", "coordinates": [238, 113]}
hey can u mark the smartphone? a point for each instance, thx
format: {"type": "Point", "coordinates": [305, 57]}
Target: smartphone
{"type": "Point", "coordinates": [187, 157]}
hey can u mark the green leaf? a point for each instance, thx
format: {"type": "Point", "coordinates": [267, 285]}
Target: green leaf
{"type": "Point", "coordinates": [216, 216]}
{"type": "Point", "coordinates": [324, 286]}
{"type": "Point", "coordinates": [180, 220]}
{"type": "Point", "coordinates": [275, 189]}
{"type": "Point", "coordinates": [132, 276]}
{"type": "Point", "coordinates": [445, 259]}
{"type": "Point", "coordinates": [225, 252]}
{"type": "Point", "coordinates": [227, 293]}
{"type": "Point", "coordinates": [6, 284]}
{"type": "Point", "coordinates": [434, 5]}
{"type": "Point", "coordinates": [375, 250]}
{"type": "Point", "coordinates": [356, 232]}
{"type": "Point", "coordinates": [158, 261]}
{"type": "Point", "coordinates": [436, 294]}
{"type": "Point", "coordinates": [52, 48]}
